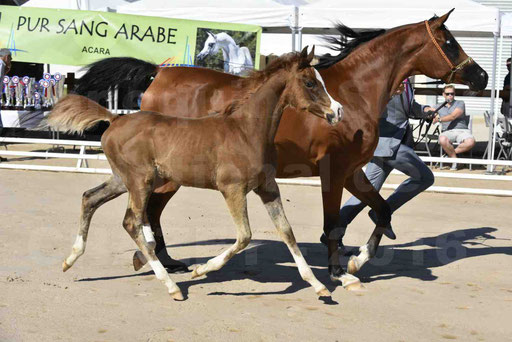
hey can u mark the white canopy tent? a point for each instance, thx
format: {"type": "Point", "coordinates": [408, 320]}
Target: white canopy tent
{"type": "Point", "coordinates": [92, 5]}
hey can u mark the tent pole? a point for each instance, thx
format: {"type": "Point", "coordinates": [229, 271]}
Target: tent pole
{"type": "Point", "coordinates": [490, 145]}
{"type": "Point", "coordinates": [296, 31]}
{"type": "Point", "coordinates": [495, 109]}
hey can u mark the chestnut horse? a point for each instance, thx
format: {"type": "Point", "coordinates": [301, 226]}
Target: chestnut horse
{"type": "Point", "coordinates": [363, 77]}
{"type": "Point", "coordinates": [232, 152]}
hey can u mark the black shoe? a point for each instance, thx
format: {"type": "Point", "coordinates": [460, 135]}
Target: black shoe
{"type": "Point", "coordinates": [389, 230]}
{"type": "Point", "coordinates": [2, 159]}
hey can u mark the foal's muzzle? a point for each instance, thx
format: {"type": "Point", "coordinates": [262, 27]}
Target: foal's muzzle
{"type": "Point", "coordinates": [334, 116]}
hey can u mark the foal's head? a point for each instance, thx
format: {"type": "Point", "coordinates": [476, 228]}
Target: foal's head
{"type": "Point", "coordinates": [306, 90]}
{"type": "Point", "coordinates": [443, 57]}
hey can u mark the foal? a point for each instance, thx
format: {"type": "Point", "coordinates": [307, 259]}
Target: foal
{"type": "Point", "coordinates": [232, 152]}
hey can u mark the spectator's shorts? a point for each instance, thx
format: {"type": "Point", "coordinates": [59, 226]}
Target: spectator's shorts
{"type": "Point", "coordinates": [457, 135]}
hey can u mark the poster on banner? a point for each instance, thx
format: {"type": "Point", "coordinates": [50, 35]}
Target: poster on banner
{"type": "Point", "coordinates": [72, 37]}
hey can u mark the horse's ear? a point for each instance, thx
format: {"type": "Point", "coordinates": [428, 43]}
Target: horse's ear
{"type": "Point", "coordinates": [304, 52]}
{"type": "Point", "coordinates": [210, 33]}
{"type": "Point", "coordinates": [311, 54]}
{"type": "Point", "coordinates": [438, 22]}
{"type": "Point", "coordinates": [304, 59]}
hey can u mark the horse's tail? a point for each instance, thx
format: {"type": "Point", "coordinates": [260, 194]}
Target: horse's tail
{"type": "Point", "coordinates": [127, 73]}
{"type": "Point", "coordinates": [75, 113]}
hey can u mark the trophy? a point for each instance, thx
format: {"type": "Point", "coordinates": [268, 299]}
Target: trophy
{"type": "Point", "coordinates": [59, 86]}
{"type": "Point", "coordinates": [10, 93]}
{"type": "Point", "coordinates": [5, 91]}
{"type": "Point", "coordinates": [27, 91]}
{"type": "Point", "coordinates": [53, 92]}
{"type": "Point", "coordinates": [18, 91]}
{"type": "Point", "coordinates": [37, 100]}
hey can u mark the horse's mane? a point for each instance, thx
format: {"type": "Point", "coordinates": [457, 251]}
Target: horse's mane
{"type": "Point", "coordinates": [257, 78]}
{"type": "Point", "coordinates": [229, 38]}
{"type": "Point", "coordinates": [345, 46]}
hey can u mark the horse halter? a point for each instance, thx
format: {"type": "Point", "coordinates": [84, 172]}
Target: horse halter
{"type": "Point", "coordinates": [453, 68]}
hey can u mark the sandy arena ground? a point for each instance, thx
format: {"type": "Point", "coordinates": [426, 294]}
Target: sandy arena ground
{"type": "Point", "coordinates": [446, 277]}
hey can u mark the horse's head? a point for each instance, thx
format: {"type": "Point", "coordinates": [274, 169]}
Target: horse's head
{"type": "Point", "coordinates": [306, 90]}
{"type": "Point", "coordinates": [442, 57]}
{"type": "Point", "coordinates": [210, 46]}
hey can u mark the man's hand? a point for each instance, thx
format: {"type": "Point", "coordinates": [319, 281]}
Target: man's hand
{"type": "Point", "coordinates": [430, 113]}
{"type": "Point", "coordinates": [436, 119]}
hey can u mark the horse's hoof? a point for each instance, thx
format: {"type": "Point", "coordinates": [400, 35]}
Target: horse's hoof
{"type": "Point", "coordinates": [178, 296]}
{"type": "Point", "coordinates": [65, 266]}
{"type": "Point", "coordinates": [351, 283]}
{"type": "Point", "coordinates": [195, 274]}
{"type": "Point", "coordinates": [137, 262]}
{"type": "Point", "coordinates": [352, 266]}
{"type": "Point", "coordinates": [324, 293]}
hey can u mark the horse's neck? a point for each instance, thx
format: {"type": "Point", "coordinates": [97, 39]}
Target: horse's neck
{"type": "Point", "coordinates": [389, 64]}
{"type": "Point", "coordinates": [228, 46]}
{"type": "Point", "coordinates": [260, 115]}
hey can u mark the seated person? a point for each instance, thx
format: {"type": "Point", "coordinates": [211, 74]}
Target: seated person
{"type": "Point", "coordinates": [505, 93]}
{"type": "Point", "coordinates": [454, 126]}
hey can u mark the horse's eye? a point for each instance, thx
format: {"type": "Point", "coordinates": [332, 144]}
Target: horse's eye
{"type": "Point", "coordinates": [210, 44]}
{"type": "Point", "coordinates": [448, 42]}
{"type": "Point", "coordinates": [310, 84]}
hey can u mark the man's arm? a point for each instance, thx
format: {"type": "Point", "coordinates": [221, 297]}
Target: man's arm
{"type": "Point", "coordinates": [457, 112]}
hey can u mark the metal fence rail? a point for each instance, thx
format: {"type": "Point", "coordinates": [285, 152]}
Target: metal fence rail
{"type": "Point", "coordinates": [82, 166]}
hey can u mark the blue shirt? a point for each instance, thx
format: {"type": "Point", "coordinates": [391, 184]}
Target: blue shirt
{"type": "Point", "coordinates": [459, 123]}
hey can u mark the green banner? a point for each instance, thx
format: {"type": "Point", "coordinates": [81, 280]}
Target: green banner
{"type": "Point", "coordinates": [80, 37]}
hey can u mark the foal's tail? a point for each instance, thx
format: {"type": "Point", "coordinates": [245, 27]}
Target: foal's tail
{"type": "Point", "coordinates": [75, 113]}
{"type": "Point", "coordinates": [127, 73]}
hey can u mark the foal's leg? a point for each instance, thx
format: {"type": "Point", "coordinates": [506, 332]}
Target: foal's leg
{"type": "Point", "coordinates": [156, 204]}
{"type": "Point", "coordinates": [135, 219]}
{"type": "Point", "coordinates": [91, 200]}
{"type": "Point", "coordinates": [236, 200]}
{"type": "Point", "coordinates": [271, 198]}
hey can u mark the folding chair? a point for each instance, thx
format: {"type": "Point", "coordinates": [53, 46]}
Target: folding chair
{"type": "Point", "coordinates": [503, 139]}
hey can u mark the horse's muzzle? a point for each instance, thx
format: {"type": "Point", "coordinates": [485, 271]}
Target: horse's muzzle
{"type": "Point", "coordinates": [475, 77]}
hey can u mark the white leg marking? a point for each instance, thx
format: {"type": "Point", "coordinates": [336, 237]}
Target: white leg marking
{"type": "Point", "coordinates": [162, 275]}
{"type": "Point", "coordinates": [78, 250]}
{"type": "Point", "coordinates": [307, 274]}
{"type": "Point", "coordinates": [148, 235]}
{"type": "Point", "coordinates": [336, 107]}
{"type": "Point", "coordinates": [364, 255]}
{"type": "Point", "coordinates": [356, 262]}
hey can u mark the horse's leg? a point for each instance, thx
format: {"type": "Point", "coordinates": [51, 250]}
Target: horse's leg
{"type": "Point", "coordinates": [91, 200]}
{"type": "Point", "coordinates": [269, 194]}
{"type": "Point", "coordinates": [359, 185]}
{"type": "Point", "coordinates": [421, 178]}
{"type": "Point", "coordinates": [157, 202]}
{"type": "Point", "coordinates": [332, 189]}
{"type": "Point", "coordinates": [137, 225]}
{"type": "Point", "coordinates": [236, 200]}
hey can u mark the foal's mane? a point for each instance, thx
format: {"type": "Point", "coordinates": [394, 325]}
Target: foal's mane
{"type": "Point", "coordinates": [257, 78]}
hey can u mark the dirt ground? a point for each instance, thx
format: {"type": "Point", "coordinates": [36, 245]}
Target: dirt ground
{"type": "Point", "coordinates": [446, 277]}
